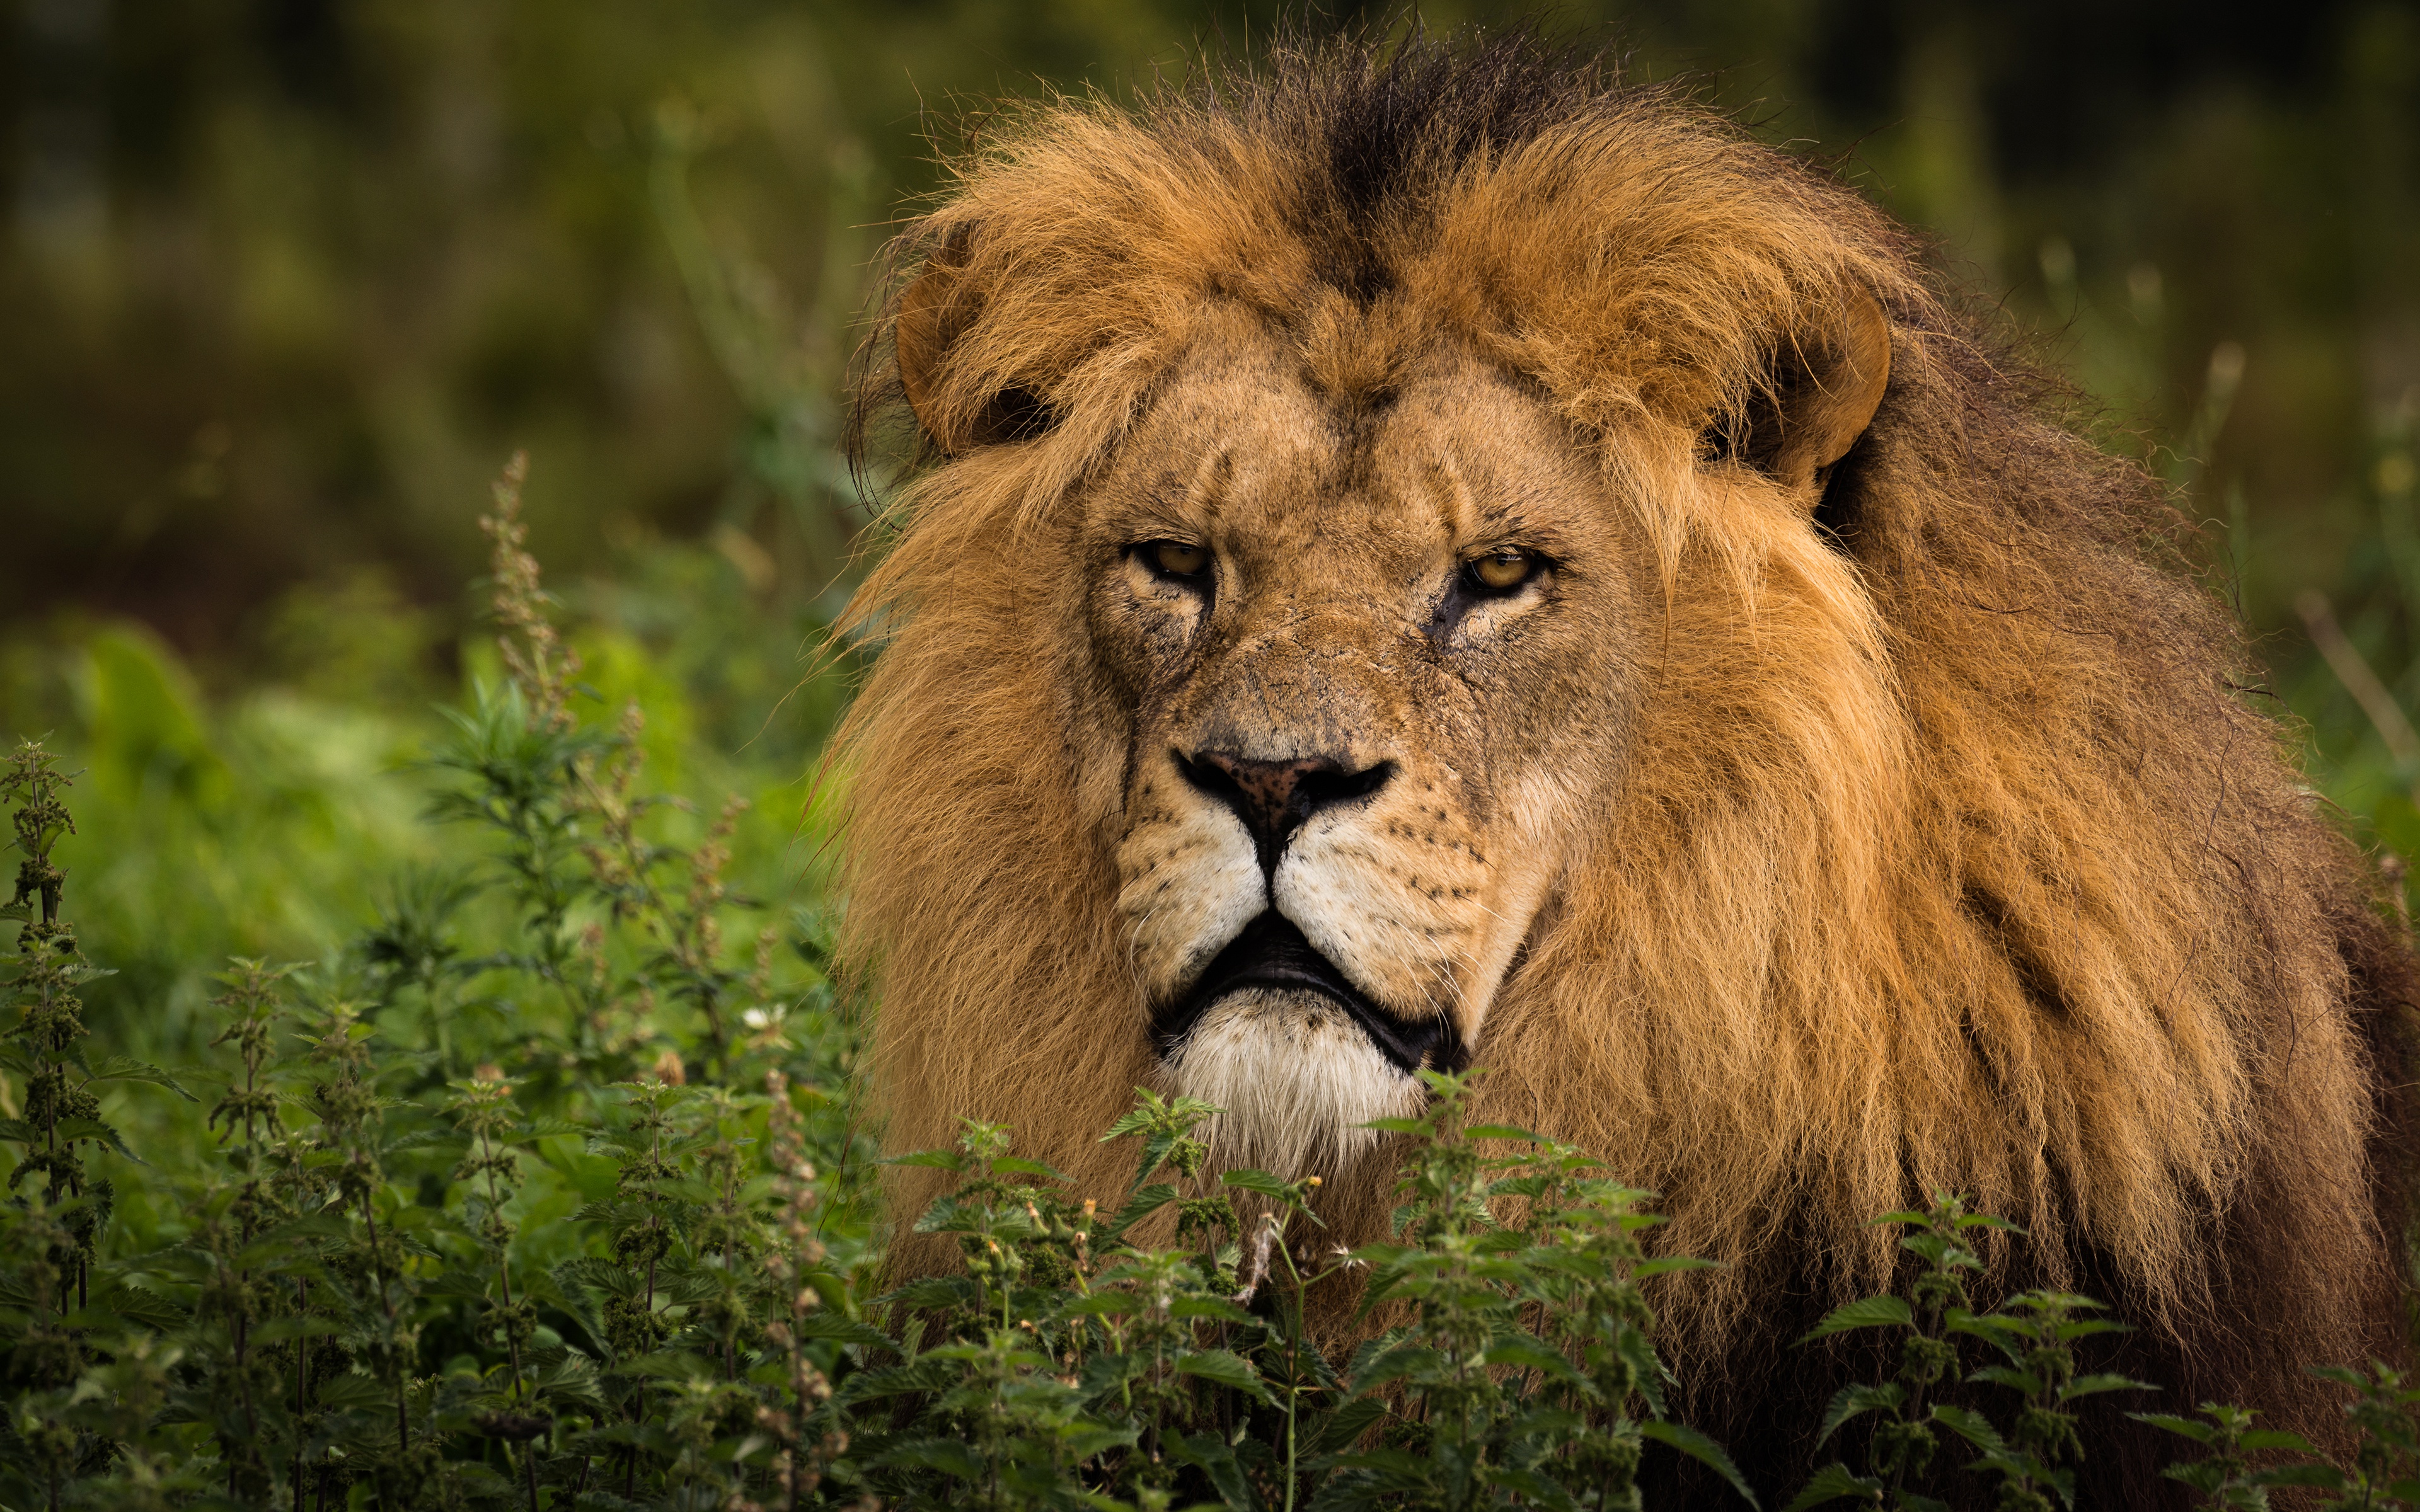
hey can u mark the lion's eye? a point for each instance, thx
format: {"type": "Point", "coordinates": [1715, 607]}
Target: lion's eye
{"type": "Point", "coordinates": [1500, 572]}
{"type": "Point", "coordinates": [1178, 559]}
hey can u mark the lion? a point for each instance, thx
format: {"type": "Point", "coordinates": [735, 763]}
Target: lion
{"type": "Point", "coordinates": [1431, 556]}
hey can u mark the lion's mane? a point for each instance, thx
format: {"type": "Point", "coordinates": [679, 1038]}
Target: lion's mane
{"type": "Point", "coordinates": [1952, 850]}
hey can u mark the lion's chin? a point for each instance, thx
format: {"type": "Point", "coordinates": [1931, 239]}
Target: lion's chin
{"type": "Point", "coordinates": [1295, 1077]}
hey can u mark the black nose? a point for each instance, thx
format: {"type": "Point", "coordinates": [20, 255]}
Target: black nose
{"type": "Point", "coordinates": [1274, 798]}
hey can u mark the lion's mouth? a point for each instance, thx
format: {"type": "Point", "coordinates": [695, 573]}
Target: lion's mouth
{"type": "Point", "coordinates": [1272, 954]}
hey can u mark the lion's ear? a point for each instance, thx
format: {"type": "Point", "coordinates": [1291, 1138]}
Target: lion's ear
{"type": "Point", "coordinates": [1820, 396]}
{"type": "Point", "coordinates": [934, 314]}
{"type": "Point", "coordinates": [925, 326]}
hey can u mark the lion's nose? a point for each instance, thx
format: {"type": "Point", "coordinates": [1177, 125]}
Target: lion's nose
{"type": "Point", "coordinates": [1276, 798]}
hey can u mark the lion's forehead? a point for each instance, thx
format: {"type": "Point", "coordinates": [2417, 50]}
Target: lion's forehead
{"type": "Point", "coordinates": [1300, 486]}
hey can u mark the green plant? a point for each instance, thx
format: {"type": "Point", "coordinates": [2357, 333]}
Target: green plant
{"type": "Point", "coordinates": [541, 1194]}
{"type": "Point", "coordinates": [2034, 1334]}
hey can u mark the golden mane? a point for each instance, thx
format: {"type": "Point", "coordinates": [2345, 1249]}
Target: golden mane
{"type": "Point", "coordinates": [1950, 854]}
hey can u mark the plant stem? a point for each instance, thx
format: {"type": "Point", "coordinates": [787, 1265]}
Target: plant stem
{"type": "Point", "coordinates": [301, 1378]}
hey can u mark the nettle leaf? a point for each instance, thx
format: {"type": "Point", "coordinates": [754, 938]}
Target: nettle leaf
{"type": "Point", "coordinates": [1260, 1182]}
{"type": "Point", "coordinates": [1831, 1483]}
{"type": "Point", "coordinates": [822, 1325]}
{"type": "Point", "coordinates": [1500, 1131]}
{"type": "Point", "coordinates": [1099, 1304]}
{"type": "Point", "coordinates": [947, 1456]}
{"type": "Point", "coordinates": [2090, 1385]}
{"type": "Point", "coordinates": [1391, 1364]}
{"type": "Point", "coordinates": [1937, 1251]}
{"type": "Point", "coordinates": [2010, 1377]}
{"type": "Point", "coordinates": [1870, 1312]}
{"type": "Point", "coordinates": [2324, 1477]}
{"type": "Point", "coordinates": [1019, 1166]}
{"type": "Point", "coordinates": [1972, 1426]}
{"type": "Point", "coordinates": [1850, 1401]}
{"type": "Point", "coordinates": [1526, 1353]}
{"type": "Point", "coordinates": [1704, 1450]}
{"type": "Point", "coordinates": [934, 1294]}
{"type": "Point", "coordinates": [1634, 1348]}
{"type": "Point", "coordinates": [127, 1069]}
{"type": "Point", "coordinates": [1985, 1220]}
{"type": "Point", "coordinates": [1216, 1459]}
{"type": "Point", "coordinates": [1217, 1308]}
{"type": "Point", "coordinates": [1345, 1426]}
{"type": "Point", "coordinates": [1144, 1201]}
{"type": "Point", "coordinates": [1084, 1438]}
{"type": "Point", "coordinates": [2197, 1432]}
{"type": "Point", "coordinates": [95, 1130]}
{"type": "Point", "coordinates": [128, 1305]}
{"type": "Point", "coordinates": [1225, 1367]}
{"type": "Point", "coordinates": [2259, 1439]}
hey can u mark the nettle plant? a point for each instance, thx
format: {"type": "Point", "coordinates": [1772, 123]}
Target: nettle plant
{"type": "Point", "coordinates": [544, 1195]}
{"type": "Point", "coordinates": [1069, 1361]}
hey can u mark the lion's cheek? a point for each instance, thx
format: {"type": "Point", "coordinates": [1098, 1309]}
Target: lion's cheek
{"type": "Point", "coordinates": [1399, 911]}
{"type": "Point", "coordinates": [1188, 883]}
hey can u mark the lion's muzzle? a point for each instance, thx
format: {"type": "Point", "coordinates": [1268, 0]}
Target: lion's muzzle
{"type": "Point", "coordinates": [1272, 955]}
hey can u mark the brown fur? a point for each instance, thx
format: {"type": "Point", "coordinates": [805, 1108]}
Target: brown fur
{"type": "Point", "coordinates": [1928, 843]}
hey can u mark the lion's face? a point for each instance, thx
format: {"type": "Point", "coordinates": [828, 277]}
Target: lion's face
{"type": "Point", "coordinates": [1370, 667]}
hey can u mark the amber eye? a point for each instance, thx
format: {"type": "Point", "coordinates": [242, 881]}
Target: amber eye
{"type": "Point", "coordinates": [1503, 571]}
{"type": "Point", "coordinates": [1178, 559]}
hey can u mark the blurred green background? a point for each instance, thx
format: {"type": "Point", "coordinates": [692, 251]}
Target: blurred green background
{"type": "Point", "coordinates": [283, 282]}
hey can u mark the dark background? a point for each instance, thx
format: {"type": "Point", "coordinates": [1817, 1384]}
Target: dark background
{"type": "Point", "coordinates": [282, 282]}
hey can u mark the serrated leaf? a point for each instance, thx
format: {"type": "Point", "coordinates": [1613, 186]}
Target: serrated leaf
{"type": "Point", "coordinates": [1099, 1304]}
{"type": "Point", "coordinates": [2326, 1477]}
{"type": "Point", "coordinates": [1852, 1400]}
{"type": "Point", "coordinates": [1216, 1459]}
{"type": "Point", "coordinates": [1145, 1201]}
{"type": "Point", "coordinates": [1345, 1426]}
{"type": "Point", "coordinates": [947, 1456]}
{"type": "Point", "coordinates": [1217, 1308]}
{"type": "Point", "coordinates": [127, 1069]}
{"type": "Point", "coordinates": [1499, 1131]}
{"type": "Point", "coordinates": [824, 1325]}
{"type": "Point", "coordinates": [2197, 1432]}
{"type": "Point", "coordinates": [95, 1130]}
{"type": "Point", "coordinates": [1870, 1312]}
{"type": "Point", "coordinates": [1832, 1483]}
{"type": "Point", "coordinates": [2093, 1386]}
{"type": "Point", "coordinates": [1985, 1220]}
{"type": "Point", "coordinates": [1225, 1367]}
{"type": "Point", "coordinates": [1704, 1450]}
{"type": "Point", "coordinates": [1972, 1426]}
{"type": "Point", "coordinates": [1255, 1180]}
{"type": "Point", "coordinates": [934, 1294]}
{"type": "Point", "coordinates": [2023, 1381]}
{"type": "Point", "coordinates": [2259, 1439]}
{"type": "Point", "coordinates": [1524, 1354]}
{"type": "Point", "coordinates": [1634, 1348]}
{"type": "Point", "coordinates": [1021, 1166]}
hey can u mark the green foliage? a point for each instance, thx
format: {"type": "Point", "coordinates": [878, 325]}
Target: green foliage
{"type": "Point", "coordinates": [357, 1278]}
{"type": "Point", "coordinates": [540, 1192]}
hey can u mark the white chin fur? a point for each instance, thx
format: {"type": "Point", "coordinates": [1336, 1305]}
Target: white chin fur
{"type": "Point", "coordinates": [1295, 1077]}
